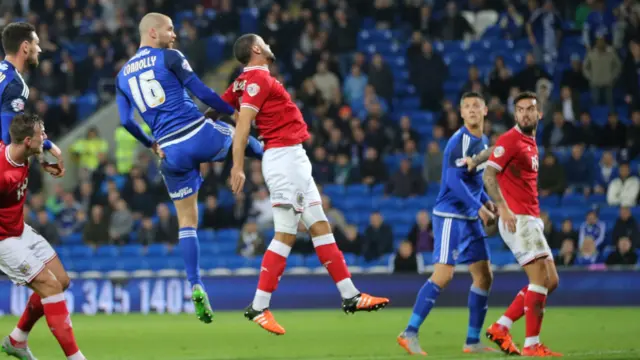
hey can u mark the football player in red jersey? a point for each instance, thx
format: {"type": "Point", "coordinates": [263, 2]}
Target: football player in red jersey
{"type": "Point", "coordinates": [25, 256]}
{"type": "Point", "coordinates": [287, 171]}
{"type": "Point", "coordinates": [511, 180]}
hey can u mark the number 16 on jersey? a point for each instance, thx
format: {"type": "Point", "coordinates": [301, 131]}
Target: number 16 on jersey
{"type": "Point", "coordinates": [146, 91]}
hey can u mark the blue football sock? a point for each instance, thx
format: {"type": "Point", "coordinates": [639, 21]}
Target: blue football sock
{"type": "Point", "coordinates": [254, 148]}
{"type": "Point", "coordinates": [191, 254]}
{"type": "Point", "coordinates": [478, 305]}
{"type": "Point", "coordinates": [425, 300]}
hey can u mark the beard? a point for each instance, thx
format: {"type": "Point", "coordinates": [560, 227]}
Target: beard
{"type": "Point", "coordinates": [528, 128]}
{"type": "Point", "coordinates": [33, 59]}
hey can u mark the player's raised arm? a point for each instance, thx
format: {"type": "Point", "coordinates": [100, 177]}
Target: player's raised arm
{"type": "Point", "coordinates": [127, 120]}
{"type": "Point", "coordinates": [479, 159]}
{"type": "Point", "coordinates": [179, 65]}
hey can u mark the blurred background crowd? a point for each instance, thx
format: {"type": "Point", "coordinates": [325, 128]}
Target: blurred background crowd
{"type": "Point", "coordinates": [378, 83]}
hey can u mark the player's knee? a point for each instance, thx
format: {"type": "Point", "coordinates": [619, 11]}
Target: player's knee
{"type": "Point", "coordinates": [315, 220]}
{"type": "Point", "coordinates": [64, 280]}
{"type": "Point", "coordinates": [46, 284]}
{"type": "Point", "coordinates": [187, 212]}
{"type": "Point", "coordinates": [442, 275]}
{"type": "Point", "coordinates": [285, 219]}
{"type": "Point", "coordinates": [484, 280]}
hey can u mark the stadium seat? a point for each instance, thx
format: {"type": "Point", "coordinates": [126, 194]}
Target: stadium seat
{"type": "Point", "coordinates": [157, 250]}
{"type": "Point", "coordinates": [227, 235]}
{"type": "Point", "coordinates": [107, 251]}
{"type": "Point", "coordinates": [81, 252]}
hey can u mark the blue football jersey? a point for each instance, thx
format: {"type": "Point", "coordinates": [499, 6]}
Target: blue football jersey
{"type": "Point", "coordinates": [14, 92]}
{"type": "Point", "coordinates": [154, 81]}
{"type": "Point", "coordinates": [461, 191]}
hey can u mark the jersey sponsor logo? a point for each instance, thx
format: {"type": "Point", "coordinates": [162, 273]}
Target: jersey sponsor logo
{"type": "Point", "coordinates": [17, 105]}
{"type": "Point", "coordinates": [186, 66]}
{"type": "Point", "coordinates": [181, 193]}
{"type": "Point", "coordinates": [2, 77]}
{"type": "Point", "coordinates": [461, 162]}
{"type": "Point", "coordinates": [3, 67]}
{"type": "Point", "coordinates": [498, 151]}
{"type": "Point", "coordinates": [239, 85]}
{"type": "Point", "coordinates": [253, 89]}
{"type": "Point", "coordinates": [534, 163]}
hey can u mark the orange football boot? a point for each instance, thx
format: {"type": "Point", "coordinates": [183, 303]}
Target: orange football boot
{"type": "Point", "coordinates": [363, 302]}
{"type": "Point", "coordinates": [500, 336]}
{"type": "Point", "coordinates": [539, 350]}
{"type": "Point", "coordinates": [265, 319]}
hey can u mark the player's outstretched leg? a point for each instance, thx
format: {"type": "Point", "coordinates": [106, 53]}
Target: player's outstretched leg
{"type": "Point", "coordinates": [425, 301]}
{"type": "Point", "coordinates": [478, 303]}
{"type": "Point", "coordinates": [187, 211]}
{"type": "Point", "coordinates": [332, 259]}
{"type": "Point", "coordinates": [499, 332]}
{"type": "Point", "coordinates": [273, 265]}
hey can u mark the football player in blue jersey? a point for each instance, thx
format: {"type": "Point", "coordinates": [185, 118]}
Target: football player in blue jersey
{"type": "Point", "coordinates": [461, 208]}
{"type": "Point", "coordinates": [154, 81]}
{"type": "Point", "coordinates": [21, 46]}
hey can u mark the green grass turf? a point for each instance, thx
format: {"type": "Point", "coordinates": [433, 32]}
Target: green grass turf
{"type": "Point", "coordinates": [580, 333]}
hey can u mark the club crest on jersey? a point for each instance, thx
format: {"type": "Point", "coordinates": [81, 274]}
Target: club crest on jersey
{"type": "Point", "coordinates": [498, 151]}
{"type": "Point", "coordinates": [300, 199]}
{"type": "Point", "coordinates": [17, 105]}
{"type": "Point", "coordinates": [186, 66]}
{"type": "Point", "coordinates": [24, 268]}
{"type": "Point", "coordinates": [253, 89]}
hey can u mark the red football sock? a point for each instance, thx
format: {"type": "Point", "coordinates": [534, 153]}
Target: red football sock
{"type": "Point", "coordinates": [534, 302]}
{"type": "Point", "coordinates": [59, 321]}
{"type": "Point", "coordinates": [32, 313]}
{"type": "Point", "coordinates": [272, 268]}
{"type": "Point", "coordinates": [516, 310]}
{"type": "Point", "coordinates": [332, 259]}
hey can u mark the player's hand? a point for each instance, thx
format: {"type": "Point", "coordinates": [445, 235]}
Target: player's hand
{"type": "Point", "coordinates": [491, 206]}
{"type": "Point", "coordinates": [211, 114]}
{"type": "Point", "coordinates": [56, 170]}
{"type": "Point", "coordinates": [486, 215]}
{"type": "Point", "coordinates": [471, 164]}
{"type": "Point", "coordinates": [509, 219]}
{"type": "Point", "coordinates": [237, 179]}
{"type": "Point", "coordinates": [157, 150]}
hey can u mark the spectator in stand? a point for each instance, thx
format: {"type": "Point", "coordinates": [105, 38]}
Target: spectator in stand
{"type": "Point", "coordinates": [96, 230]}
{"type": "Point", "coordinates": [626, 226]}
{"type": "Point", "coordinates": [214, 216]}
{"type": "Point", "coordinates": [88, 149]}
{"type": "Point", "coordinates": [551, 180]}
{"type": "Point", "coordinates": [474, 81]}
{"type": "Point", "coordinates": [67, 216]}
{"type": "Point", "coordinates": [261, 209]}
{"type": "Point", "coordinates": [344, 171]}
{"type": "Point", "coordinates": [625, 254]}
{"type": "Point", "coordinates": [405, 133]}
{"type": "Point", "coordinates": [581, 171]}
{"type": "Point", "coordinates": [544, 29]}
{"type": "Point", "coordinates": [511, 22]}
{"type": "Point", "coordinates": [633, 131]}
{"type": "Point", "coordinates": [354, 84]}
{"type": "Point", "coordinates": [602, 67]}
{"type": "Point", "coordinates": [454, 26]}
{"type": "Point", "coordinates": [147, 232]}
{"type": "Point", "coordinates": [46, 228]}
{"type": "Point", "coordinates": [351, 242]}
{"type": "Point", "coordinates": [326, 81]}
{"type": "Point", "coordinates": [574, 76]}
{"type": "Point", "coordinates": [142, 202]}
{"type": "Point", "coordinates": [381, 78]}
{"type": "Point", "coordinates": [432, 167]}
{"type": "Point", "coordinates": [559, 133]}
{"type": "Point", "coordinates": [500, 79]}
{"type": "Point", "coordinates": [569, 105]}
{"type": "Point", "coordinates": [588, 134]}
{"type": "Point", "coordinates": [421, 234]}
{"type": "Point", "coordinates": [121, 223]}
{"type": "Point", "coordinates": [624, 189]}
{"type": "Point", "coordinates": [378, 238]}
{"type": "Point", "coordinates": [588, 254]}
{"type": "Point", "coordinates": [614, 134]}
{"type": "Point", "coordinates": [335, 216]}
{"type": "Point", "coordinates": [592, 228]}
{"type": "Point", "coordinates": [428, 74]}
{"type": "Point", "coordinates": [549, 229]}
{"type": "Point", "coordinates": [528, 77]}
{"type": "Point", "coordinates": [567, 254]}
{"type": "Point", "coordinates": [599, 23]}
{"type": "Point", "coordinates": [372, 169]}
{"type": "Point", "coordinates": [566, 233]}
{"type": "Point", "coordinates": [631, 75]}
{"type": "Point", "coordinates": [406, 260]}
{"type": "Point", "coordinates": [407, 182]}
{"type": "Point", "coordinates": [251, 242]}
{"type": "Point", "coordinates": [608, 169]}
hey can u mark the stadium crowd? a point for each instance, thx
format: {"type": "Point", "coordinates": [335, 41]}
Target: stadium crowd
{"type": "Point", "coordinates": [349, 96]}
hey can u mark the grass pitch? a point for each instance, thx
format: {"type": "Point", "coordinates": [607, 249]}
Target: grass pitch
{"type": "Point", "coordinates": [580, 333]}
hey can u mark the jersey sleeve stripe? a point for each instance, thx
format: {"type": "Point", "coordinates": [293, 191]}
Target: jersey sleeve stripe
{"type": "Point", "coordinates": [494, 165]}
{"type": "Point", "coordinates": [245, 105]}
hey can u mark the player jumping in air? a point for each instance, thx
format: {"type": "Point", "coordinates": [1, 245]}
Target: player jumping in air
{"type": "Point", "coordinates": [287, 173]}
{"type": "Point", "coordinates": [461, 209]}
{"type": "Point", "coordinates": [21, 46]}
{"type": "Point", "coordinates": [511, 180]}
{"type": "Point", "coordinates": [154, 81]}
{"type": "Point", "coordinates": [25, 256]}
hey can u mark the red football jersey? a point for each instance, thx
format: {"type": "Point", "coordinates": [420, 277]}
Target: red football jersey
{"type": "Point", "coordinates": [279, 121]}
{"type": "Point", "coordinates": [516, 157]}
{"type": "Point", "coordinates": [13, 192]}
